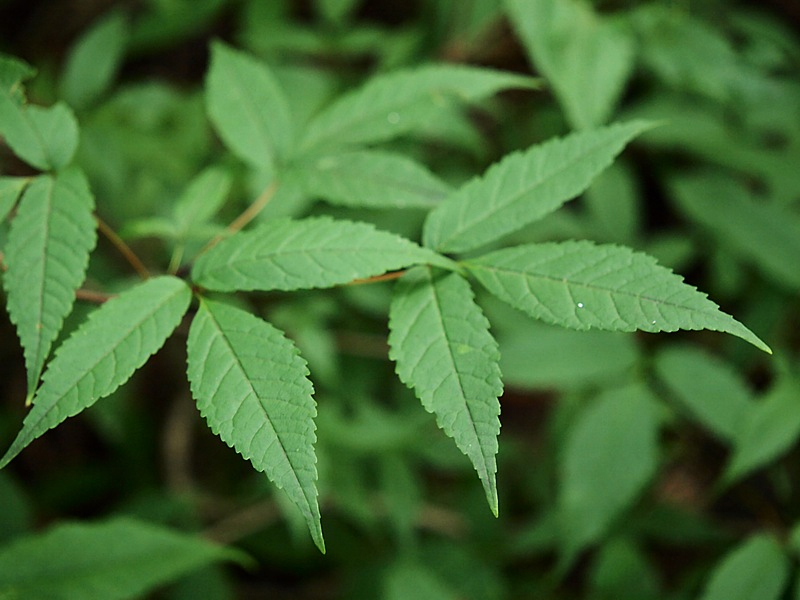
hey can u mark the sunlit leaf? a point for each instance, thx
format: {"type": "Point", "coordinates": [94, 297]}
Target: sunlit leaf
{"type": "Point", "coordinates": [524, 187]}
{"type": "Point", "coordinates": [583, 285]}
{"type": "Point", "coordinates": [252, 387]}
{"type": "Point", "coordinates": [103, 353]}
{"type": "Point", "coordinates": [441, 343]}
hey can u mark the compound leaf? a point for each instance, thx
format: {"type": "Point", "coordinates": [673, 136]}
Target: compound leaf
{"type": "Point", "coordinates": [373, 179]}
{"type": "Point", "coordinates": [247, 106]}
{"type": "Point", "coordinates": [756, 568]}
{"type": "Point", "coordinates": [394, 104]}
{"type": "Point", "coordinates": [94, 60]}
{"type": "Point", "coordinates": [10, 190]}
{"type": "Point", "coordinates": [441, 343]}
{"type": "Point", "coordinates": [251, 385]}
{"type": "Point", "coordinates": [47, 255]}
{"type": "Point", "coordinates": [581, 285]}
{"type": "Point", "coordinates": [610, 454]}
{"type": "Point", "coordinates": [117, 559]}
{"type": "Point", "coordinates": [310, 253]}
{"type": "Point", "coordinates": [103, 353]}
{"type": "Point", "coordinates": [524, 187]}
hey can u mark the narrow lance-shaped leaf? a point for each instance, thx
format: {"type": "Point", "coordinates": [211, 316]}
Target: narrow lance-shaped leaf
{"type": "Point", "coordinates": [371, 178]}
{"type": "Point", "coordinates": [583, 285]}
{"type": "Point", "coordinates": [441, 343]}
{"type": "Point", "coordinates": [47, 255]}
{"type": "Point", "coordinates": [309, 253]}
{"type": "Point", "coordinates": [394, 104]}
{"type": "Point", "coordinates": [103, 353]}
{"type": "Point", "coordinates": [114, 560]}
{"type": "Point", "coordinates": [10, 190]}
{"type": "Point", "coordinates": [524, 187]}
{"type": "Point", "coordinates": [251, 385]}
{"type": "Point", "coordinates": [45, 138]}
{"type": "Point", "coordinates": [247, 106]}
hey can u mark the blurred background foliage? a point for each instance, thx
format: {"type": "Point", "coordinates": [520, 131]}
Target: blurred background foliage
{"type": "Point", "coordinates": [630, 467]}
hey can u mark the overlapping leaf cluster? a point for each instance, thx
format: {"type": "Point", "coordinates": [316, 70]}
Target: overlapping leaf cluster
{"type": "Point", "coordinates": [248, 378]}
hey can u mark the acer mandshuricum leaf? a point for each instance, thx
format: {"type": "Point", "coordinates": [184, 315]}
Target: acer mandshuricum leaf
{"type": "Point", "coordinates": [103, 353]}
{"type": "Point", "coordinates": [247, 107]}
{"type": "Point", "coordinates": [394, 104]}
{"type": "Point", "coordinates": [252, 387]}
{"type": "Point", "coordinates": [310, 253]}
{"type": "Point", "coordinates": [524, 187]}
{"type": "Point", "coordinates": [581, 285]}
{"type": "Point", "coordinates": [441, 343]}
{"type": "Point", "coordinates": [47, 254]}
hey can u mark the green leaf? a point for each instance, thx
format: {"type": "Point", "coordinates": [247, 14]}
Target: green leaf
{"type": "Point", "coordinates": [45, 138]}
{"type": "Point", "coordinates": [247, 107]}
{"type": "Point", "coordinates": [252, 387]}
{"type": "Point", "coordinates": [372, 179]}
{"type": "Point", "coordinates": [310, 253]}
{"type": "Point", "coordinates": [711, 390]}
{"type": "Point", "coordinates": [441, 343]}
{"type": "Point", "coordinates": [587, 59]}
{"type": "Point", "coordinates": [581, 285]}
{"type": "Point", "coordinates": [771, 429]}
{"type": "Point", "coordinates": [391, 105]}
{"type": "Point", "coordinates": [756, 568]}
{"type": "Point", "coordinates": [610, 454]}
{"type": "Point", "coordinates": [103, 353]}
{"type": "Point", "coordinates": [47, 255]}
{"type": "Point", "coordinates": [12, 73]}
{"type": "Point", "coordinates": [409, 580]}
{"type": "Point", "coordinates": [524, 187]}
{"type": "Point", "coordinates": [10, 190]}
{"type": "Point", "coordinates": [117, 559]}
{"type": "Point", "coordinates": [202, 198]}
{"type": "Point", "coordinates": [94, 61]}
{"type": "Point", "coordinates": [762, 233]}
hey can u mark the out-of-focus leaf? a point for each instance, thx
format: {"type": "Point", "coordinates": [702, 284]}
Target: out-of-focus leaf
{"type": "Point", "coordinates": [757, 568]}
{"type": "Point", "coordinates": [711, 390]}
{"type": "Point", "coordinates": [762, 233]}
{"type": "Point", "coordinates": [94, 60]}
{"type": "Point", "coordinates": [613, 205]}
{"type": "Point", "coordinates": [586, 58]}
{"type": "Point", "coordinates": [416, 581]}
{"type": "Point", "coordinates": [771, 429]}
{"type": "Point", "coordinates": [621, 572]}
{"type": "Point", "coordinates": [247, 106]}
{"type": "Point", "coordinates": [113, 560]}
{"type": "Point", "coordinates": [610, 454]}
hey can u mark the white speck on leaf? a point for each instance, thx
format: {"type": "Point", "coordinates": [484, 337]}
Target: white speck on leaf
{"type": "Point", "coordinates": [393, 118]}
{"type": "Point", "coordinates": [580, 304]}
